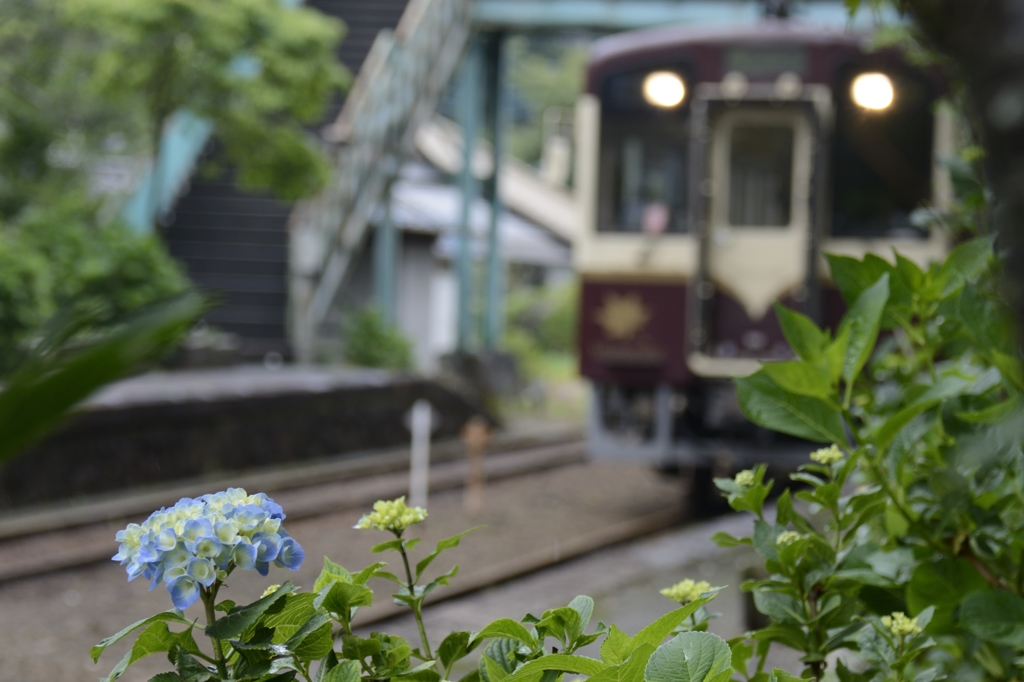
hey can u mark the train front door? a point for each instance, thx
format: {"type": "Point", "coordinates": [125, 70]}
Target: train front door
{"type": "Point", "coordinates": [757, 234]}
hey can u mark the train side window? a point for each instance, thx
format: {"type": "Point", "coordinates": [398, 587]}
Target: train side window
{"type": "Point", "coordinates": [643, 177]}
{"type": "Point", "coordinates": [760, 176]}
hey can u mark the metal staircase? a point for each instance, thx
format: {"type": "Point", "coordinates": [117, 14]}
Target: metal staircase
{"type": "Point", "coordinates": [395, 91]}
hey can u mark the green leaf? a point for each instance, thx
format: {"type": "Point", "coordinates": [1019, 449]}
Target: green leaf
{"type": "Point", "coordinates": [330, 573]}
{"type": "Point", "coordinates": [454, 647]}
{"type": "Point", "coordinates": [767, 405]}
{"type": "Point", "coordinates": [447, 543]}
{"type": "Point", "coordinates": [617, 646]}
{"type": "Point", "coordinates": [943, 584]}
{"type": "Point", "coordinates": [506, 627]}
{"type": "Point", "coordinates": [290, 616]}
{"type": "Point", "coordinates": [225, 606]}
{"type": "Point", "coordinates": [631, 670]}
{"type": "Point", "coordinates": [391, 545]}
{"type": "Point", "coordinates": [314, 639]}
{"type": "Point", "coordinates": [371, 571]}
{"type": "Point", "coordinates": [723, 539]}
{"type": "Point", "coordinates": [243, 617]}
{"type": "Point", "coordinates": [863, 320]}
{"type": "Point", "coordinates": [358, 648]}
{"type": "Point", "coordinates": [803, 336]}
{"type": "Point", "coordinates": [964, 263]}
{"type": "Point", "coordinates": [345, 671]}
{"type": "Point", "coordinates": [165, 677]}
{"type": "Point", "coordinates": [154, 639]}
{"type": "Point", "coordinates": [801, 378]}
{"type": "Point", "coordinates": [563, 663]}
{"type": "Point", "coordinates": [562, 623]}
{"type": "Point", "coordinates": [166, 616]}
{"type": "Point", "coordinates": [1010, 368]}
{"type": "Point", "coordinates": [498, 653]}
{"type": "Point", "coordinates": [779, 607]}
{"type": "Point", "coordinates": [342, 597]}
{"type": "Point", "coordinates": [424, 672]}
{"type": "Point", "coordinates": [852, 277]}
{"type": "Point", "coordinates": [947, 386]}
{"type": "Point", "coordinates": [36, 398]}
{"type": "Point", "coordinates": [790, 634]}
{"type": "Point", "coordinates": [494, 672]}
{"type": "Point", "coordinates": [690, 657]}
{"type": "Point", "coordinates": [584, 606]}
{"type": "Point", "coordinates": [996, 617]}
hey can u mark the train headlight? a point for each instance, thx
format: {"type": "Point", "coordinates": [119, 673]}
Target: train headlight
{"type": "Point", "coordinates": [664, 89]}
{"type": "Point", "coordinates": [872, 91]}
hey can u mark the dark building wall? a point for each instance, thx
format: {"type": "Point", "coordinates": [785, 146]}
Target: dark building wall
{"type": "Point", "coordinates": [235, 243]}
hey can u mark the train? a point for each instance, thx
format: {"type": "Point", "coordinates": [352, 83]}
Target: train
{"type": "Point", "coordinates": [714, 167]}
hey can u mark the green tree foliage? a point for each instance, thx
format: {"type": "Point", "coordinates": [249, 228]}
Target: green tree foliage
{"type": "Point", "coordinates": [258, 69]}
{"type": "Point", "coordinates": [541, 323]}
{"type": "Point", "coordinates": [87, 85]}
{"type": "Point", "coordinates": [544, 72]}
{"type": "Point", "coordinates": [371, 342]}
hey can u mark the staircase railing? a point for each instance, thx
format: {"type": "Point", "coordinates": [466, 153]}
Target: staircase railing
{"type": "Point", "coordinates": [395, 91]}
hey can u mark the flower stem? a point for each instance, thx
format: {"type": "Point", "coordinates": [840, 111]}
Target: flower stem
{"type": "Point", "coordinates": [209, 596]}
{"type": "Point", "coordinates": [411, 585]}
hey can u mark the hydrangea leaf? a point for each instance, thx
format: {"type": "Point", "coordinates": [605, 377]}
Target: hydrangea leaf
{"type": "Point", "coordinates": [563, 663]}
{"type": "Point", "coordinates": [167, 616]}
{"type": "Point", "coordinates": [345, 671]}
{"type": "Point", "coordinates": [455, 646]}
{"type": "Point", "coordinates": [447, 543]}
{"type": "Point", "coordinates": [768, 405]}
{"type": "Point", "coordinates": [506, 627]}
{"type": "Point", "coordinates": [330, 573]}
{"type": "Point", "coordinates": [242, 618]}
{"type": "Point", "coordinates": [616, 646]}
{"type": "Point", "coordinates": [690, 657]}
{"type": "Point", "coordinates": [342, 597]}
{"type": "Point", "coordinates": [154, 639]}
{"type": "Point", "coordinates": [314, 640]}
{"type": "Point", "coordinates": [288, 618]}
{"type": "Point", "coordinates": [631, 670]}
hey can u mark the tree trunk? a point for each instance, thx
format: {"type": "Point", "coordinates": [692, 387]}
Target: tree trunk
{"type": "Point", "coordinates": [985, 39]}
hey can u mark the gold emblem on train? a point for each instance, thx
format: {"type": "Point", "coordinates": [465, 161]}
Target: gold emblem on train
{"type": "Point", "coordinates": [621, 316]}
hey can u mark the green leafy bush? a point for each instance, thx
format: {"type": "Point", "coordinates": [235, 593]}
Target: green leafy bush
{"type": "Point", "coordinates": [371, 342]}
{"type": "Point", "coordinates": [58, 259]}
{"type": "Point", "coordinates": [916, 506]}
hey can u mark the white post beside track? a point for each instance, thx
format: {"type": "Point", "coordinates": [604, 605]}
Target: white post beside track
{"type": "Point", "coordinates": [419, 464]}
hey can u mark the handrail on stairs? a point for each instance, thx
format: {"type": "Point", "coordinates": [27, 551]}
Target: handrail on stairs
{"type": "Point", "coordinates": [395, 91]}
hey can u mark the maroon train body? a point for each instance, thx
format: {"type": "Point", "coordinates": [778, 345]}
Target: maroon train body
{"type": "Point", "coordinates": [714, 169]}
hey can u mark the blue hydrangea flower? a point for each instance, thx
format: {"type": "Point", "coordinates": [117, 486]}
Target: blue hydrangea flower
{"type": "Point", "coordinates": [198, 541]}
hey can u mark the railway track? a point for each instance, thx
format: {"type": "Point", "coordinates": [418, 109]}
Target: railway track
{"type": "Point", "coordinates": [46, 540]}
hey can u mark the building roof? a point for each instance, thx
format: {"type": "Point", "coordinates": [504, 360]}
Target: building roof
{"type": "Point", "coordinates": [421, 203]}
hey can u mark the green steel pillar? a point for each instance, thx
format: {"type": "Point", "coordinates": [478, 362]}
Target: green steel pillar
{"type": "Point", "coordinates": [494, 310]}
{"type": "Point", "coordinates": [385, 263]}
{"type": "Point", "coordinates": [469, 114]}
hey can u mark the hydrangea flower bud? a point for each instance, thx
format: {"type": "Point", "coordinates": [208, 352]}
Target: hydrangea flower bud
{"type": "Point", "coordinates": [787, 537]}
{"type": "Point", "coordinates": [198, 541]}
{"type": "Point", "coordinates": [829, 455]}
{"type": "Point", "coordinates": [900, 625]}
{"type": "Point", "coordinates": [686, 591]}
{"type": "Point", "coordinates": [393, 516]}
{"type": "Point", "coordinates": [745, 478]}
